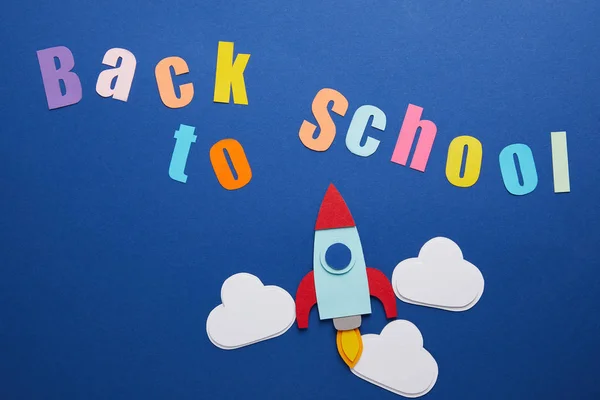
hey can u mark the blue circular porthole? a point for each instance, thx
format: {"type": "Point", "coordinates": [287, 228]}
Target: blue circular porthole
{"type": "Point", "coordinates": [338, 258]}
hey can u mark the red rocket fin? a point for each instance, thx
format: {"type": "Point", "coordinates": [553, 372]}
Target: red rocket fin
{"type": "Point", "coordinates": [306, 298]}
{"type": "Point", "coordinates": [380, 287]}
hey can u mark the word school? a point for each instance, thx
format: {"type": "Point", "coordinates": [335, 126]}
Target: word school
{"type": "Point", "coordinates": [515, 184]}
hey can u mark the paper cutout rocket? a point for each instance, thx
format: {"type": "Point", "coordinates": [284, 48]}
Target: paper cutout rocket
{"type": "Point", "coordinates": [340, 286]}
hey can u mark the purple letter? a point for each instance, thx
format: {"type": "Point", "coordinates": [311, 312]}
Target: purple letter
{"type": "Point", "coordinates": [52, 77]}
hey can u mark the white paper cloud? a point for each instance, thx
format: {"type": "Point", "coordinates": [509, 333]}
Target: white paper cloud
{"type": "Point", "coordinates": [251, 312]}
{"type": "Point", "coordinates": [439, 277]}
{"type": "Point", "coordinates": [396, 360]}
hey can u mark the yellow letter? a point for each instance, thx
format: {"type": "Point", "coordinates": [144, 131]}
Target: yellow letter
{"type": "Point", "coordinates": [472, 163]}
{"type": "Point", "coordinates": [230, 74]}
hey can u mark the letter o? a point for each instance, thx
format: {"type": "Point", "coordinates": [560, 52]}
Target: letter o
{"type": "Point", "coordinates": [472, 163]}
{"type": "Point", "coordinates": [508, 168]}
{"type": "Point", "coordinates": [238, 160]}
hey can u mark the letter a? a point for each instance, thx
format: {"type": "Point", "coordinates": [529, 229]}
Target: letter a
{"type": "Point", "coordinates": [123, 75]}
{"type": "Point", "coordinates": [230, 74]}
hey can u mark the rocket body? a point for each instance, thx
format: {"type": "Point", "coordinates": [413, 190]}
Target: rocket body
{"type": "Point", "coordinates": [342, 286]}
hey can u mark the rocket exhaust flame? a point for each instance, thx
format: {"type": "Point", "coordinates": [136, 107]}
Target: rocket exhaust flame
{"type": "Point", "coordinates": [350, 346]}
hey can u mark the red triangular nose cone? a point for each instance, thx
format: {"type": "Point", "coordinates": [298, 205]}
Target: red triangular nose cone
{"type": "Point", "coordinates": [334, 212]}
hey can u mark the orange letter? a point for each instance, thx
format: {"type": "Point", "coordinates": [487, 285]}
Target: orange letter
{"type": "Point", "coordinates": [165, 82]}
{"type": "Point", "coordinates": [319, 109]}
{"type": "Point", "coordinates": [238, 161]}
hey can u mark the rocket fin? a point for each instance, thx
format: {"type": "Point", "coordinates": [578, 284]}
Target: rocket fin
{"type": "Point", "coordinates": [306, 298]}
{"type": "Point", "coordinates": [380, 287]}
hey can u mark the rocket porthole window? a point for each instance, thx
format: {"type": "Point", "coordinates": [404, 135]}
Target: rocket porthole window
{"type": "Point", "coordinates": [338, 259]}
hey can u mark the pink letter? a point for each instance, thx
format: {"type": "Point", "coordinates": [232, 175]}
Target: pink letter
{"type": "Point", "coordinates": [412, 121]}
{"type": "Point", "coordinates": [51, 76]}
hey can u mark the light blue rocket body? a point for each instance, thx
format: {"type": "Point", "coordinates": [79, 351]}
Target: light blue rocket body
{"type": "Point", "coordinates": [345, 292]}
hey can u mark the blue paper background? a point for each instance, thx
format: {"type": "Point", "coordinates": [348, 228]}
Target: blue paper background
{"type": "Point", "coordinates": [108, 268]}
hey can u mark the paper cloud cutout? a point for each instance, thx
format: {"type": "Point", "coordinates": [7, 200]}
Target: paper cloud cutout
{"type": "Point", "coordinates": [439, 277]}
{"type": "Point", "coordinates": [251, 312]}
{"type": "Point", "coordinates": [396, 360]}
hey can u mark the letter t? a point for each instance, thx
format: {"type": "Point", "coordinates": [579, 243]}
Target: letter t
{"type": "Point", "coordinates": [185, 137]}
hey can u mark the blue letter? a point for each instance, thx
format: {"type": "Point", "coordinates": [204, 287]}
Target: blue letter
{"type": "Point", "coordinates": [509, 169]}
{"type": "Point", "coordinates": [357, 130]}
{"type": "Point", "coordinates": [185, 137]}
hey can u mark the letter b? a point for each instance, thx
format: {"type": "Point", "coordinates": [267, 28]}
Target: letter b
{"type": "Point", "coordinates": [52, 77]}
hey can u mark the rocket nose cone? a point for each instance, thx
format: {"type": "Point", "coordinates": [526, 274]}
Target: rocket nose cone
{"type": "Point", "coordinates": [334, 212]}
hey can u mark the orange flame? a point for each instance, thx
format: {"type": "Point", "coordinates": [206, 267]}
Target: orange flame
{"type": "Point", "coordinates": [350, 346]}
